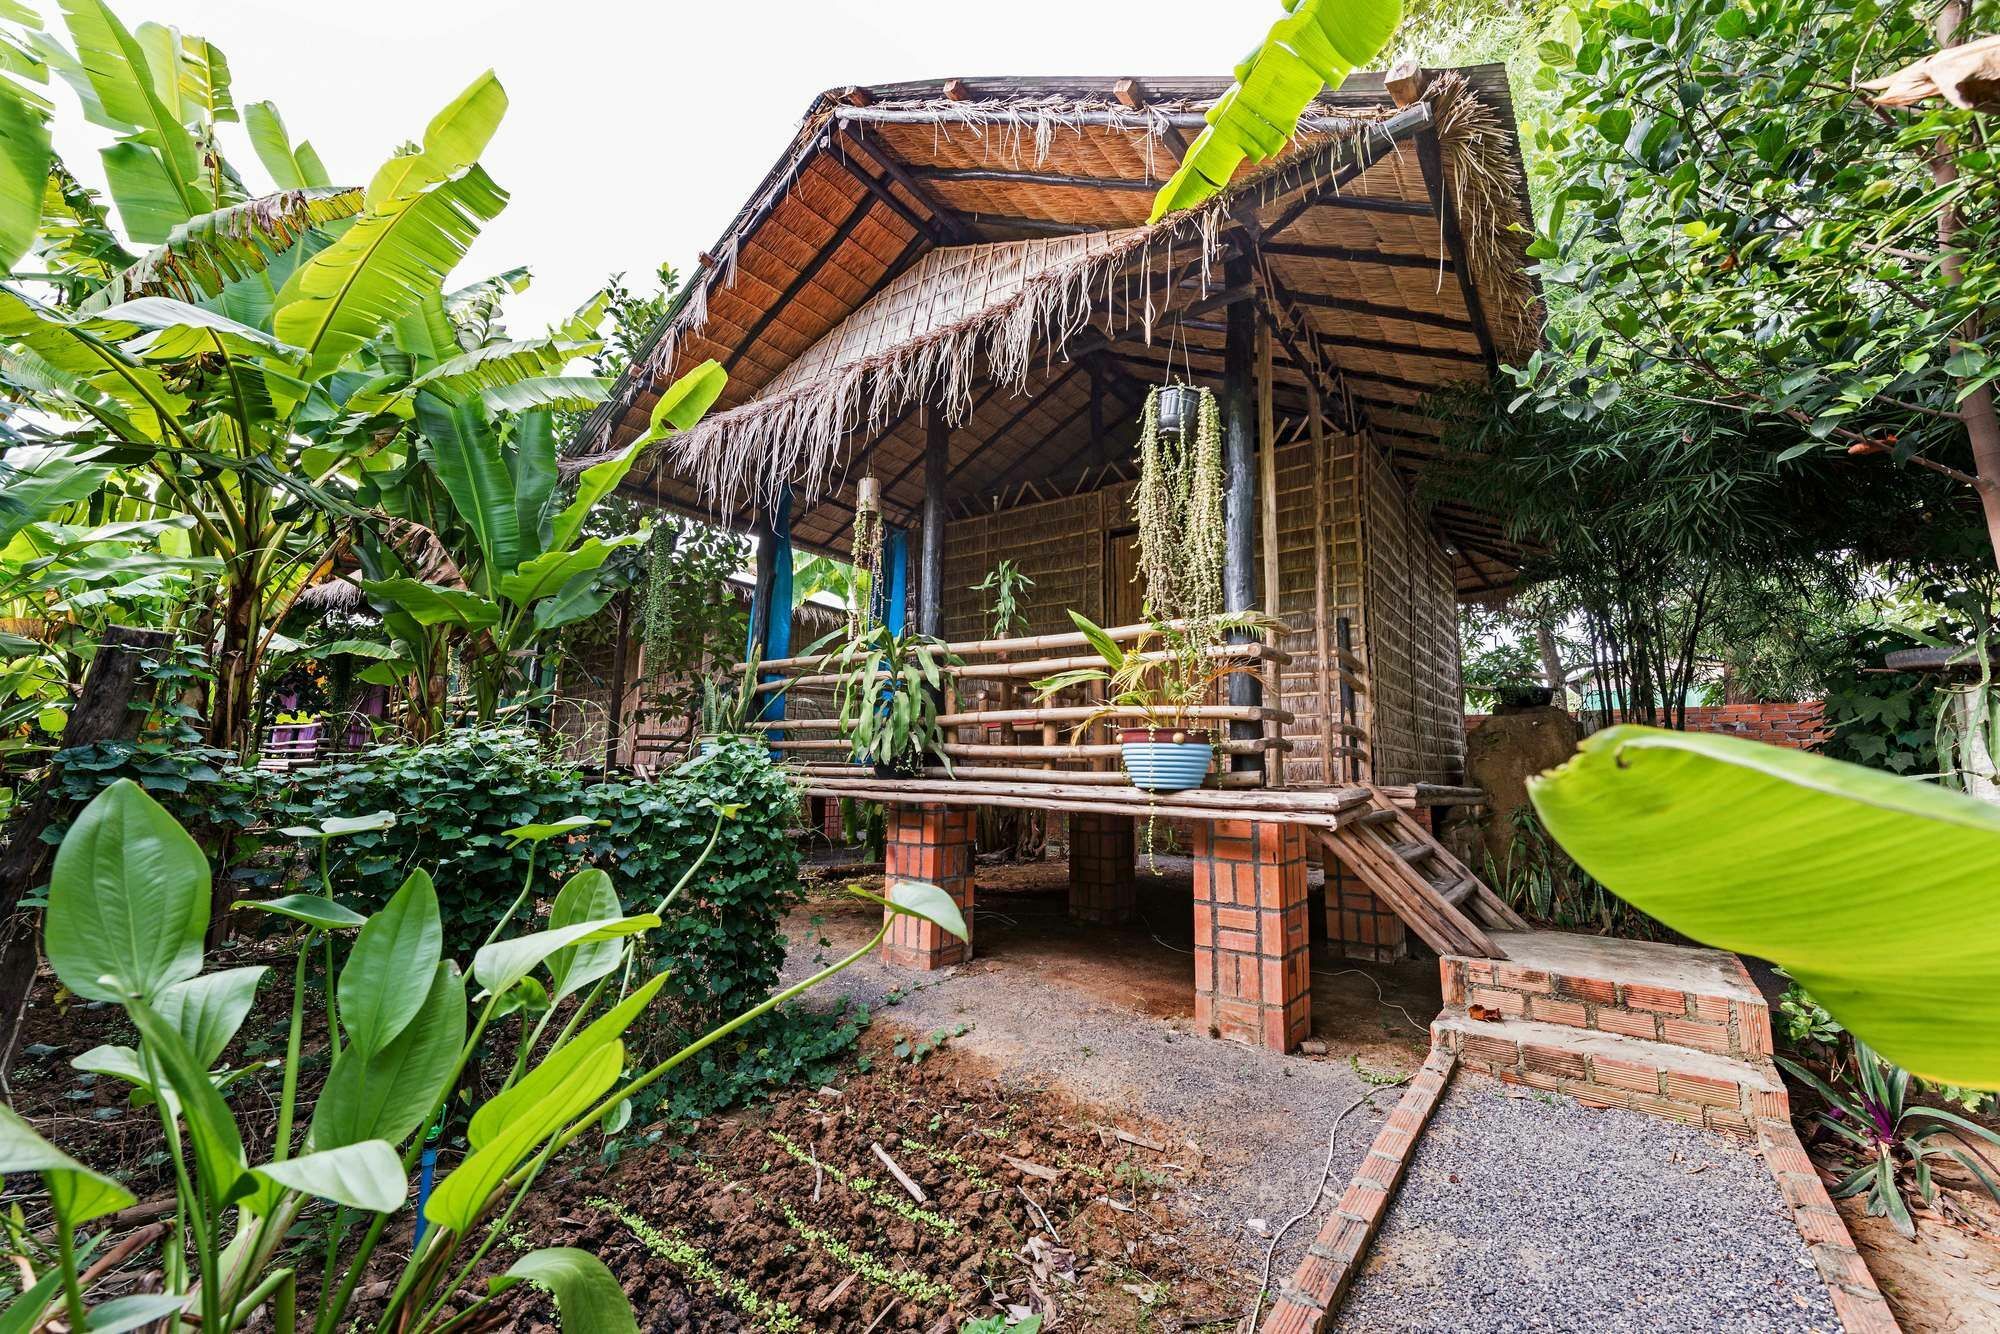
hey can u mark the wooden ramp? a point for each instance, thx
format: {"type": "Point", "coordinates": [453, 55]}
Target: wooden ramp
{"type": "Point", "coordinates": [1435, 894]}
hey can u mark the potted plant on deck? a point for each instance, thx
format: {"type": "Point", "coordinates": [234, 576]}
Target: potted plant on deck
{"type": "Point", "coordinates": [1170, 669]}
{"type": "Point", "coordinates": [729, 704]}
{"type": "Point", "coordinates": [890, 688]}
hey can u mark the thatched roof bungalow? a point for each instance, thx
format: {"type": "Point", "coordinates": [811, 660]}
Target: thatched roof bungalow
{"type": "Point", "coordinates": [946, 294]}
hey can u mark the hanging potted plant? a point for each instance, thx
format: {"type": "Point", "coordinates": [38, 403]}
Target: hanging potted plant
{"type": "Point", "coordinates": [889, 690]}
{"type": "Point", "coordinates": [1178, 408]}
{"type": "Point", "coordinates": [1167, 673]}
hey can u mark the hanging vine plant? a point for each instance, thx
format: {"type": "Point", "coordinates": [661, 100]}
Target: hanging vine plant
{"type": "Point", "coordinates": [1179, 503]}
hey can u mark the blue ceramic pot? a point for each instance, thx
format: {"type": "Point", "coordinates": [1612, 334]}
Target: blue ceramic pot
{"type": "Point", "coordinates": [1161, 759]}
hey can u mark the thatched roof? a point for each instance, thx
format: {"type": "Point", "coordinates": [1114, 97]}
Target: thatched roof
{"type": "Point", "coordinates": [985, 241]}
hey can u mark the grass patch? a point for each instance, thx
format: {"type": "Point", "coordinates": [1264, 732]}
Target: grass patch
{"type": "Point", "coordinates": [691, 1260]}
{"type": "Point", "coordinates": [868, 1190]}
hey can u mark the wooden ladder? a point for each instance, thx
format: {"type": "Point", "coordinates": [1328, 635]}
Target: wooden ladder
{"type": "Point", "coordinates": [1435, 894]}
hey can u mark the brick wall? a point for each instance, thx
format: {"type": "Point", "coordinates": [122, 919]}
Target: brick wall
{"type": "Point", "coordinates": [1797, 726]}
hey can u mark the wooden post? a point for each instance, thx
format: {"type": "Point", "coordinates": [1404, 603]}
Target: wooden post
{"type": "Point", "coordinates": [1239, 502]}
{"type": "Point", "coordinates": [621, 646]}
{"type": "Point", "coordinates": [930, 568]}
{"type": "Point", "coordinates": [1267, 521]}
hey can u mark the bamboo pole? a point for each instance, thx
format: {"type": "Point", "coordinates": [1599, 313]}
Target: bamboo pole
{"type": "Point", "coordinates": [1108, 750]}
{"type": "Point", "coordinates": [1250, 652]}
{"type": "Point", "coordinates": [1310, 800]}
{"type": "Point", "coordinates": [1082, 799]}
{"type": "Point", "coordinates": [1081, 713]}
{"type": "Point", "coordinates": [1267, 500]}
{"type": "Point", "coordinates": [1322, 538]}
{"type": "Point", "coordinates": [969, 647]}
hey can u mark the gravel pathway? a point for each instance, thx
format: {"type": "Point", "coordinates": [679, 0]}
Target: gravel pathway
{"type": "Point", "coordinates": [1259, 1120]}
{"type": "Point", "coordinates": [1525, 1211]}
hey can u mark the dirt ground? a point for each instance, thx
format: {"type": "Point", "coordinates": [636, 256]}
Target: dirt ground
{"type": "Point", "coordinates": [1105, 1016]}
{"type": "Point", "coordinates": [791, 1216]}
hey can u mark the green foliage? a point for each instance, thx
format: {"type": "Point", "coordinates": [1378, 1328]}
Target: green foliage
{"type": "Point", "coordinates": [1742, 227]}
{"type": "Point", "coordinates": [1886, 720]}
{"type": "Point", "coordinates": [889, 690]}
{"type": "Point", "coordinates": [127, 917]}
{"type": "Point", "coordinates": [1849, 867]}
{"type": "Point", "coordinates": [1315, 45]}
{"type": "Point", "coordinates": [689, 617]}
{"type": "Point", "coordinates": [1873, 1113]}
{"type": "Point", "coordinates": [1540, 881]}
{"type": "Point", "coordinates": [1006, 583]}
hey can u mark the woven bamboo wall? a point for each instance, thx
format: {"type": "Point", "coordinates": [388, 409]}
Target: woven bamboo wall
{"type": "Point", "coordinates": [1060, 544]}
{"type": "Point", "coordinates": [1385, 572]}
{"type": "Point", "coordinates": [1410, 639]}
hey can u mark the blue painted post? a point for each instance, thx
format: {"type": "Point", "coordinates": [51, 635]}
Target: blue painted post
{"type": "Point", "coordinates": [771, 596]}
{"type": "Point", "coordinates": [892, 598]}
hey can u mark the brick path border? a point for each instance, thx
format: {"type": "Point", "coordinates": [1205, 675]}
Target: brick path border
{"type": "Point", "coordinates": [1322, 1278]}
{"type": "Point", "coordinates": [1856, 1298]}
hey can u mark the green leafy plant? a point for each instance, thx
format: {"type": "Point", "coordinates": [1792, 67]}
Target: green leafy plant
{"type": "Point", "coordinates": [1169, 670]}
{"type": "Point", "coordinates": [1006, 583]}
{"type": "Point", "coordinates": [1873, 1114]}
{"type": "Point", "coordinates": [730, 703]}
{"type": "Point", "coordinates": [1315, 45]}
{"type": "Point", "coordinates": [128, 908]}
{"type": "Point", "coordinates": [1830, 870]}
{"type": "Point", "coordinates": [889, 691]}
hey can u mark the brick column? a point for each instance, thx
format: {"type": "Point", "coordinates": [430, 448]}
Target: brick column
{"type": "Point", "coordinates": [1358, 924]}
{"type": "Point", "coordinates": [1101, 863]}
{"type": "Point", "coordinates": [1252, 952]}
{"type": "Point", "coordinates": [830, 823]}
{"type": "Point", "coordinates": [932, 843]}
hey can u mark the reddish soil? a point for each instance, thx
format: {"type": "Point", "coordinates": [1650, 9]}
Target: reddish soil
{"type": "Point", "coordinates": [1948, 1279]}
{"type": "Point", "coordinates": [784, 1217]}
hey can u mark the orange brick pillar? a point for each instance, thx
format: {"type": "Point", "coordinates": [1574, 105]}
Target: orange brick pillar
{"type": "Point", "coordinates": [1358, 924]}
{"type": "Point", "coordinates": [932, 843]}
{"type": "Point", "coordinates": [1252, 951]}
{"type": "Point", "coordinates": [1102, 855]}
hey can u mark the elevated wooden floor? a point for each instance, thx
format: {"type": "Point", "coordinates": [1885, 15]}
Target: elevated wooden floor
{"type": "Point", "coordinates": [1371, 830]}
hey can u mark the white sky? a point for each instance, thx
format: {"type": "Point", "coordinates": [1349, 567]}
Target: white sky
{"type": "Point", "coordinates": [636, 130]}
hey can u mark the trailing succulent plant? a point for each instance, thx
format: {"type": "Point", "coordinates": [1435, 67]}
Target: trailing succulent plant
{"type": "Point", "coordinates": [1179, 504]}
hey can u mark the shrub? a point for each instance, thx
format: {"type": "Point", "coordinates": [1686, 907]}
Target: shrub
{"type": "Point", "coordinates": [455, 798]}
{"type": "Point", "coordinates": [721, 945]}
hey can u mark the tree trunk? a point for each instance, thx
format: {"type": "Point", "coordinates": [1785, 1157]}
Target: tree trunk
{"type": "Point", "coordinates": [1552, 663]}
{"type": "Point", "coordinates": [1977, 410]}
{"type": "Point", "coordinates": [235, 670]}
{"type": "Point", "coordinates": [110, 707]}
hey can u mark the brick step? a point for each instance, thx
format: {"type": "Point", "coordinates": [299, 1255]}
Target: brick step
{"type": "Point", "coordinates": [1609, 1070]}
{"type": "Point", "coordinates": [1685, 996]}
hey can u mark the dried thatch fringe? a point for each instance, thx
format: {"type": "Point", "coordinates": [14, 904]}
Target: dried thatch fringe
{"type": "Point", "coordinates": [794, 433]}
{"type": "Point", "coordinates": [1485, 180]}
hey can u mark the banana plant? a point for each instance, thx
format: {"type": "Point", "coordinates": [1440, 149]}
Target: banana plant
{"type": "Point", "coordinates": [1316, 45]}
{"type": "Point", "coordinates": [259, 351]}
{"type": "Point", "coordinates": [1879, 894]}
{"type": "Point", "coordinates": [128, 908]}
{"type": "Point", "coordinates": [514, 563]}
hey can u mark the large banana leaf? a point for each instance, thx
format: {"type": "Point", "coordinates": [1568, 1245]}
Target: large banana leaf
{"type": "Point", "coordinates": [467, 458]}
{"type": "Point", "coordinates": [1880, 894]}
{"type": "Point", "coordinates": [1316, 45]}
{"type": "Point", "coordinates": [25, 154]}
{"type": "Point", "coordinates": [453, 141]}
{"type": "Point", "coordinates": [291, 168]}
{"type": "Point", "coordinates": [116, 66]}
{"type": "Point", "coordinates": [383, 266]}
{"type": "Point", "coordinates": [208, 253]}
{"type": "Point", "coordinates": [190, 74]}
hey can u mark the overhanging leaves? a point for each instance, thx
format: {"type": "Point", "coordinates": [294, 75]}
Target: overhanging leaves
{"type": "Point", "coordinates": [1875, 892]}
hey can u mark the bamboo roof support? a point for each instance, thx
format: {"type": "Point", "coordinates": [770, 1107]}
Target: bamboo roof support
{"type": "Point", "coordinates": [1431, 158]}
{"type": "Point", "coordinates": [925, 227]}
{"type": "Point", "coordinates": [947, 218]}
{"type": "Point", "coordinates": [1350, 255]}
{"type": "Point", "coordinates": [1318, 301]}
{"type": "Point", "coordinates": [948, 175]}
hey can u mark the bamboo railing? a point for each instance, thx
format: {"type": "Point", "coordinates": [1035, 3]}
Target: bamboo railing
{"type": "Point", "coordinates": [1007, 748]}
